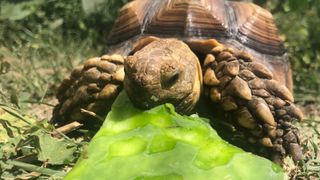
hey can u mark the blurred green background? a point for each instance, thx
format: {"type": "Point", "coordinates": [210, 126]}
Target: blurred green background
{"type": "Point", "coordinates": [42, 40]}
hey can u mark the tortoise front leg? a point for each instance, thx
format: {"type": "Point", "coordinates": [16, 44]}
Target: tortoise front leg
{"type": "Point", "coordinates": [258, 103]}
{"type": "Point", "coordinates": [91, 87]}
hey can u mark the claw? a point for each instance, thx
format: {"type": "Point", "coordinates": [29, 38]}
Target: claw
{"type": "Point", "coordinates": [210, 78]}
{"type": "Point", "coordinates": [92, 62]}
{"type": "Point", "coordinates": [209, 59]}
{"type": "Point", "coordinates": [224, 81]}
{"type": "Point", "coordinates": [96, 106]}
{"type": "Point", "coordinates": [224, 55]}
{"type": "Point", "coordinates": [266, 142]}
{"type": "Point", "coordinates": [76, 72]}
{"type": "Point", "coordinates": [215, 95]}
{"type": "Point", "coordinates": [65, 84]}
{"type": "Point", "coordinates": [245, 56]}
{"type": "Point", "coordinates": [261, 93]}
{"type": "Point", "coordinates": [93, 88]}
{"type": "Point", "coordinates": [260, 70]}
{"type": "Point", "coordinates": [279, 90]}
{"type": "Point", "coordinates": [115, 58]}
{"type": "Point", "coordinates": [106, 66]}
{"type": "Point", "coordinates": [290, 137]}
{"type": "Point", "coordinates": [204, 46]}
{"type": "Point", "coordinates": [281, 112]}
{"type": "Point", "coordinates": [105, 57]}
{"type": "Point", "coordinates": [295, 151]}
{"type": "Point", "coordinates": [232, 68]}
{"type": "Point", "coordinates": [239, 88]}
{"type": "Point", "coordinates": [105, 77]}
{"type": "Point", "coordinates": [216, 50]}
{"type": "Point", "coordinates": [109, 91]}
{"type": "Point", "coordinates": [228, 103]}
{"type": "Point", "coordinates": [220, 66]}
{"type": "Point", "coordinates": [245, 119]}
{"type": "Point", "coordinates": [258, 131]}
{"type": "Point", "coordinates": [257, 84]}
{"type": "Point", "coordinates": [65, 106]}
{"type": "Point", "coordinates": [278, 103]}
{"type": "Point", "coordinates": [119, 75]}
{"type": "Point", "coordinates": [81, 95]}
{"type": "Point", "coordinates": [247, 75]}
{"type": "Point", "coordinates": [92, 75]}
{"type": "Point", "coordinates": [271, 131]}
{"type": "Point", "coordinates": [261, 109]}
{"type": "Point", "coordinates": [294, 111]}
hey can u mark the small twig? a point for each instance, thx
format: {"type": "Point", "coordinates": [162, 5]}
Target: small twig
{"type": "Point", "coordinates": [66, 129]}
{"type": "Point", "coordinates": [93, 114]}
{"type": "Point", "coordinates": [34, 168]}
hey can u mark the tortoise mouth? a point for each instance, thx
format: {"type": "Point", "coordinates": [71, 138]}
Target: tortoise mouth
{"type": "Point", "coordinates": [147, 96]}
{"type": "Point", "coordinates": [181, 104]}
{"type": "Point", "coordinates": [184, 105]}
{"type": "Point", "coordinates": [164, 71]}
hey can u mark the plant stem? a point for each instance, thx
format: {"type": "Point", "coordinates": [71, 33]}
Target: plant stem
{"type": "Point", "coordinates": [34, 168]}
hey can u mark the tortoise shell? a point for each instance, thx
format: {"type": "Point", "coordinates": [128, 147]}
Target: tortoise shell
{"type": "Point", "coordinates": [242, 25]}
{"type": "Point", "coordinates": [237, 81]}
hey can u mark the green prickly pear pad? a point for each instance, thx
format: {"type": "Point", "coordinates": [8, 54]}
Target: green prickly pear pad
{"type": "Point", "coordinates": [161, 144]}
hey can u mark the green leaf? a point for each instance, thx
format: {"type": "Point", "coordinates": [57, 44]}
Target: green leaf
{"type": "Point", "coordinates": [12, 123]}
{"type": "Point", "coordinates": [55, 151]}
{"type": "Point", "coordinates": [161, 144]}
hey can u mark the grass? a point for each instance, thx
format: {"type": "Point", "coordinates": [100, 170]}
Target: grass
{"type": "Point", "coordinates": [34, 71]}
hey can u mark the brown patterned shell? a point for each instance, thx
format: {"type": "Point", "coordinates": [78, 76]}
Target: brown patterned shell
{"type": "Point", "coordinates": [245, 26]}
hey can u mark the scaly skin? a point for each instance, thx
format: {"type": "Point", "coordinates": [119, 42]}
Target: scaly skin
{"type": "Point", "coordinates": [91, 87]}
{"type": "Point", "coordinates": [243, 87]}
{"type": "Point", "coordinates": [259, 104]}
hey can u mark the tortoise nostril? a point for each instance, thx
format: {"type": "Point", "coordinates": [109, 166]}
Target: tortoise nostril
{"type": "Point", "coordinates": [169, 78]}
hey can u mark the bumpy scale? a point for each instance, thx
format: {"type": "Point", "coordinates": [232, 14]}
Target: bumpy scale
{"type": "Point", "coordinates": [259, 104]}
{"type": "Point", "coordinates": [254, 88]}
{"type": "Point", "coordinates": [242, 86]}
{"type": "Point", "coordinates": [91, 87]}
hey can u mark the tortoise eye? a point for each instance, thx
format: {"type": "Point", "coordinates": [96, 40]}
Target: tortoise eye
{"type": "Point", "coordinates": [169, 78]}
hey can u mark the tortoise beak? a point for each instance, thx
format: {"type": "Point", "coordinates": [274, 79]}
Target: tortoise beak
{"type": "Point", "coordinates": [165, 71]}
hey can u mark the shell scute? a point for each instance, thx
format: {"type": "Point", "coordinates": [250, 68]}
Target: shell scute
{"type": "Point", "coordinates": [256, 28]}
{"type": "Point", "coordinates": [235, 22]}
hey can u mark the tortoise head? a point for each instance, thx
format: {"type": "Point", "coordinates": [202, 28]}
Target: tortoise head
{"type": "Point", "coordinates": [163, 71]}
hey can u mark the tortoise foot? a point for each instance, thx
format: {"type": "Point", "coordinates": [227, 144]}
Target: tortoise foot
{"type": "Point", "coordinates": [90, 89]}
{"type": "Point", "coordinates": [259, 104]}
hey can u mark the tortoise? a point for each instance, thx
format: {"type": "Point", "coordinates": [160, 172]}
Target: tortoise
{"type": "Point", "coordinates": [173, 50]}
